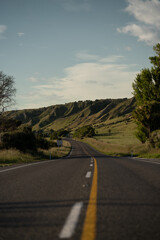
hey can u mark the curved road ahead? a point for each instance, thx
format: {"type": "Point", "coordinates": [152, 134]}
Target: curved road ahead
{"type": "Point", "coordinates": [85, 196]}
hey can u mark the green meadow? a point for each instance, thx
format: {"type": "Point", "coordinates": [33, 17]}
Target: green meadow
{"type": "Point", "coordinates": [117, 138]}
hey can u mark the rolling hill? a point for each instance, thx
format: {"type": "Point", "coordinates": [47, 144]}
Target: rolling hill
{"type": "Point", "coordinates": [75, 114]}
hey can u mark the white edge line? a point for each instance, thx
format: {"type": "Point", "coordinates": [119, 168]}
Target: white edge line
{"type": "Point", "coordinates": [69, 153]}
{"type": "Point", "coordinates": [26, 165]}
{"type": "Point", "coordinates": [30, 164]}
{"type": "Point", "coordinates": [71, 221]}
{"type": "Point", "coordinates": [88, 175]}
{"type": "Point", "coordinates": [142, 160]}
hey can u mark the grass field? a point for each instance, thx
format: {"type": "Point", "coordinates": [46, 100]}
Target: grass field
{"type": "Point", "coordinates": [57, 152]}
{"type": "Point", "coordinates": [14, 156]}
{"type": "Point", "coordinates": [117, 137]}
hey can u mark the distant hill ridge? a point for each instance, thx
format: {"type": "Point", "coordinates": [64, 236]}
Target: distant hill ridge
{"type": "Point", "coordinates": [74, 114]}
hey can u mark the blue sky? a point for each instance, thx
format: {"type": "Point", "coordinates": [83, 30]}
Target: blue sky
{"type": "Point", "coordinates": [60, 51]}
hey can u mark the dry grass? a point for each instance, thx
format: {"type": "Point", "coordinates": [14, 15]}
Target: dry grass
{"type": "Point", "coordinates": [118, 139]}
{"type": "Point", "coordinates": [55, 152]}
{"type": "Point", "coordinates": [140, 150]}
{"type": "Point", "coordinates": [109, 148]}
{"type": "Point", "coordinates": [14, 156]}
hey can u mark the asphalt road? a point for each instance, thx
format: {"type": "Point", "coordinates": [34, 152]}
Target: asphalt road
{"type": "Point", "coordinates": [85, 196]}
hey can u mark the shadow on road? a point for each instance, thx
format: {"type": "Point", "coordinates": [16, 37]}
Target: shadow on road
{"type": "Point", "coordinates": [29, 214]}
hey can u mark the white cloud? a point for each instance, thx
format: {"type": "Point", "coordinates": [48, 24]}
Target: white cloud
{"type": "Point", "coordinates": [3, 28]}
{"type": "Point", "coordinates": [33, 79]}
{"type": "Point", "coordinates": [44, 87]}
{"type": "Point", "coordinates": [111, 59]}
{"type": "Point", "coordinates": [88, 80]}
{"type": "Point", "coordinates": [20, 34]}
{"type": "Point", "coordinates": [83, 55]}
{"type": "Point", "coordinates": [37, 73]}
{"type": "Point", "coordinates": [143, 33]}
{"type": "Point", "coordinates": [147, 13]}
{"type": "Point", "coordinates": [40, 96]}
{"type": "Point", "coordinates": [127, 48]}
{"type": "Point", "coordinates": [97, 80]}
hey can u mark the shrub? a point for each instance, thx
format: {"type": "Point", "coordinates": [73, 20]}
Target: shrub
{"type": "Point", "coordinates": [155, 139]}
{"type": "Point", "coordinates": [62, 133]}
{"type": "Point", "coordinates": [85, 131]}
{"type": "Point", "coordinates": [42, 143]}
{"type": "Point", "coordinates": [142, 134]}
{"type": "Point", "coordinates": [58, 134]}
{"type": "Point", "coordinates": [54, 136]}
{"type": "Point", "coordinates": [22, 140]}
{"type": "Point", "coordinates": [8, 124]}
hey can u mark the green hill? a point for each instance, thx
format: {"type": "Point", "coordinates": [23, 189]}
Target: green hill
{"type": "Point", "coordinates": [75, 114]}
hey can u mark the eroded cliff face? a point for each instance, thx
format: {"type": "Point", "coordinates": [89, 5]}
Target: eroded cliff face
{"type": "Point", "coordinates": [75, 114]}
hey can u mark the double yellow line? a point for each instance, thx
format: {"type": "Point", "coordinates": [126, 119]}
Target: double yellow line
{"type": "Point", "coordinates": [89, 228]}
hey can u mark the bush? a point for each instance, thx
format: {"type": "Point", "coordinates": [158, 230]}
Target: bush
{"type": "Point", "coordinates": [58, 134]}
{"type": "Point", "coordinates": [155, 139]}
{"type": "Point", "coordinates": [42, 143]}
{"type": "Point", "coordinates": [54, 136]}
{"type": "Point", "coordinates": [142, 134]}
{"type": "Point", "coordinates": [62, 133]}
{"type": "Point", "coordinates": [8, 124]}
{"type": "Point", "coordinates": [22, 140]}
{"type": "Point", "coordinates": [85, 131]}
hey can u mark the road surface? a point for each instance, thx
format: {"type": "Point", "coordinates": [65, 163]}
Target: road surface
{"type": "Point", "coordinates": [85, 196]}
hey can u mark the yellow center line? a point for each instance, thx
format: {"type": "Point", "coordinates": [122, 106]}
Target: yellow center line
{"type": "Point", "coordinates": [89, 228]}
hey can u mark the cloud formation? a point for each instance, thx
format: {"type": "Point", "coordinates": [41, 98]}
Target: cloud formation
{"type": "Point", "coordinates": [147, 11]}
{"type": "Point", "coordinates": [84, 55]}
{"type": "Point", "coordinates": [111, 59]}
{"type": "Point", "coordinates": [96, 80]}
{"type": "Point", "coordinates": [147, 16]}
{"type": "Point", "coordinates": [3, 28]}
{"type": "Point", "coordinates": [87, 80]}
{"type": "Point", "coordinates": [20, 34]}
{"type": "Point", "coordinates": [33, 79]}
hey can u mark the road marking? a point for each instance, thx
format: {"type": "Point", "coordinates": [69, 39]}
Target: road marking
{"type": "Point", "coordinates": [30, 164]}
{"type": "Point", "coordinates": [147, 161]}
{"type": "Point", "coordinates": [91, 165]}
{"type": "Point", "coordinates": [71, 221]}
{"type": "Point", "coordinates": [69, 153]}
{"type": "Point", "coordinates": [88, 175]}
{"type": "Point", "coordinates": [26, 165]}
{"type": "Point", "coordinates": [89, 228]}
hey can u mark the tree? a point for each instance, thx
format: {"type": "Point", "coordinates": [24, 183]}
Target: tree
{"type": "Point", "coordinates": [85, 131]}
{"type": "Point", "coordinates": [147, 94]}
{"type": "Point", "coordinates": [9, 124]}
{"type": "Point", "coordinates": [7, 91]}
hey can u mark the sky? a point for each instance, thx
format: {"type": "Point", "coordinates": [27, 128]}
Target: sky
{"type": "Point", "coordinates": [60, 51]}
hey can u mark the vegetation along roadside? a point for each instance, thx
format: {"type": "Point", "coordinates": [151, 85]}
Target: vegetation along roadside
{"type": "Point", "coordinates": [119, 127]}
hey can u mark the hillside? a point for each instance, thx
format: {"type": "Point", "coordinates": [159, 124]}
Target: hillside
{"type": "Point", "coordinates": [75, 114]}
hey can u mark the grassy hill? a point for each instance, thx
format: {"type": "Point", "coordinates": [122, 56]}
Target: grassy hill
{"type": "Point", "coordinates": [75, 114]}
{"type": "Point", "coordinates": [111, 118]}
